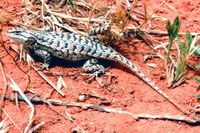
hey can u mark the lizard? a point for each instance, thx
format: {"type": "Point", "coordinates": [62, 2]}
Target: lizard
{"type": "Point", "coordinates": [75, 47]}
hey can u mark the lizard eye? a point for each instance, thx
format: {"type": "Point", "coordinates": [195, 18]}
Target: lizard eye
{"type": "Point", "coordinates": [17, 31]}
{"type": "Point", "coordinates": [11, 31]}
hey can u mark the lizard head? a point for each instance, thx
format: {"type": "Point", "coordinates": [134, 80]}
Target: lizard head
{"type": "Point", "coordinates": [21, 35]}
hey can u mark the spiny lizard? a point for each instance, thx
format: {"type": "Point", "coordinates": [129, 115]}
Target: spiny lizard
{"type": "Point", "coordinates": [71, 46]}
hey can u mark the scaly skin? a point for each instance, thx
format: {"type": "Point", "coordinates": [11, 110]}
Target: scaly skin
{"type": "Point", "coordinates": [71, 46]}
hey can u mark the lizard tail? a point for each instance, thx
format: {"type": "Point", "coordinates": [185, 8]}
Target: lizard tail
{"type": "Point", "coordinates": [124, 61]}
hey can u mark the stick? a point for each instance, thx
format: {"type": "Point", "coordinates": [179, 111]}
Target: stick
{"type": "Point", "coordinates": [164, 33]}
{"type": "Point", "coordinates": [11, 120]}
{"type": "Point", "coordinates": [5, 83]}
{"type": "Point", "coordinates": [36, 127]}
{"type": "Point", "coordinates": [85, 106]}
{"type": "Point", "coordinates": [48, 81]}
{"type": "Point", "coordinates": [75, 18]}
{"type": "Point", "coordinates": [15, 87]}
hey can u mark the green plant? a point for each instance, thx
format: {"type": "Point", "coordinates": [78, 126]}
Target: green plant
{"type": "Point", "coordinates": [176, 70]}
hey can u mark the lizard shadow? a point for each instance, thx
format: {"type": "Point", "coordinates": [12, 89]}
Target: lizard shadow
{"type": "Point", "coordinates": [56, 61]}
{"type": "Point", "coordinates": [79, 64]}
{"type": "Point", "coordinates": [76, 64]}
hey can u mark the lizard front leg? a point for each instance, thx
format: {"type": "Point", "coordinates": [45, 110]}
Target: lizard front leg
{"type": "Point", "coordinates": [46, 56]}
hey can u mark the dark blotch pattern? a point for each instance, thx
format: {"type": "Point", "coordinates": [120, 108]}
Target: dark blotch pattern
{"type": "Point", "coordinates": [66, 45]}
{"type": "Point", "coordinates": [74, 47]}
{"type": "Point", "coordinates": [58, 44]}
{"type": "Point", "coordinates": [93, 53]}
{"type": "Point", "coordinates": [51, 42]}
{"type": "Point", "coordinates": [107, 55]}
{"type": "Point", "coordinates": [86, 41]}
{"type": "Point", "coordinates": [80, 39]}
{"type": "Point", "coordinates": [74, 37]}
{"type": "Point", "coordinates": [68, 36]}
{"type": "Point", "coordinates": [62, 36]}
{"type": "Point", "coordinates": [89, 49]}
{"type": "Point", "coordinates": [82, 49]}
{"type": "Point", "coordinates": [100, 54]}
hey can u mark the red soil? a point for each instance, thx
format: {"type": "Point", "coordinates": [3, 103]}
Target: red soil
{"type": "Point", "coordinates": [127, 92]}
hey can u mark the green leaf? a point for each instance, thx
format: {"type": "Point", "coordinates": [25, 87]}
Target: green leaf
{"type": "Point", "coordinates": [175, 27]}
{"type": "Point", "coordinates": [197, 65]}
{"type": "Point", "coordinates": [189, 38]}
{"type": "Point", "coordinates": [198, 80]}
{"type": "Point", "coordinates": [197, 51]}
{"type": "Point", "coordinates": [198, 96]}
{"type": "Point", "coordinates": [189, 42]}
{"type": "Point", "coordinates": [168, 27]}
{"type": "Point", "coordinates": [181, 45]}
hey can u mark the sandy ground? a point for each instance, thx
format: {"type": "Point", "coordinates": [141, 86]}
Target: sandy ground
{"type": "Point", "coordinates": [127, 91]}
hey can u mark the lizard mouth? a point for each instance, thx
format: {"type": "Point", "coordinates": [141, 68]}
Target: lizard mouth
{"type": "Point", "coordinates": [16, 38]}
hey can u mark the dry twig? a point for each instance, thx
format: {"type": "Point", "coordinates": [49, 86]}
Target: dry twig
{"type": "Point", "coordinates": [3, 126]}
{"type": "Point", "coordinates": [5, 83]}
{"type": "Point", "coordinates": [182, 118]}
{"type": "Point", "coordinates": [12, 120]}
{"type": "Point", "coordinates": [38, 126]}
{"type": "Point", "coordinates": [48, 81]}
{"type": "Point", "coordinates": [15, 87]}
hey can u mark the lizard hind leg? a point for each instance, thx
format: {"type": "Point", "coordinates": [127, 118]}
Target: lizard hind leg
{"type": "Point", "coordinates": [102, 30]}
{"type": "Point", "coordinates": [91, 66]}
